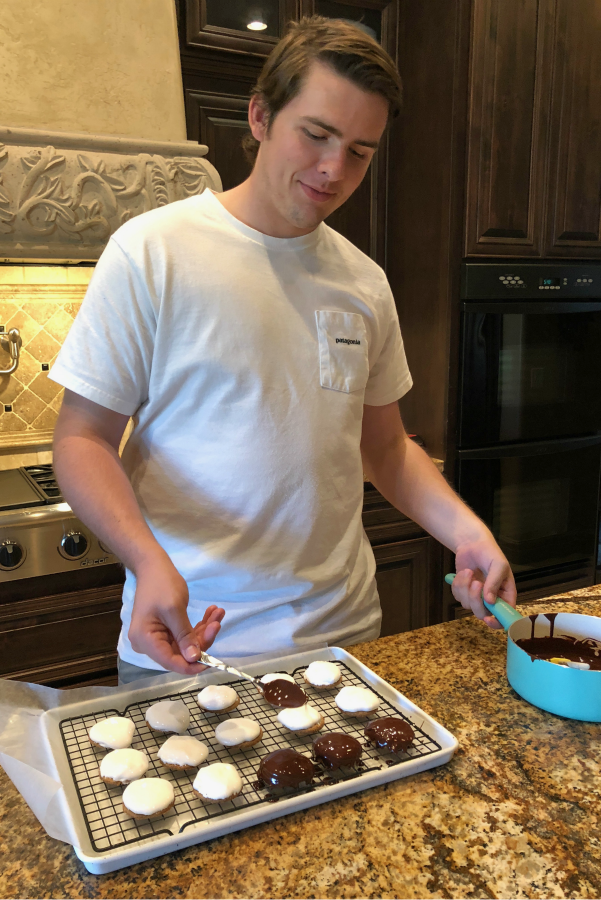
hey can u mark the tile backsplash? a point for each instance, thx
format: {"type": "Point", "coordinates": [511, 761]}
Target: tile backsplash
{"type": "Point", "coordinates": [42, 302]}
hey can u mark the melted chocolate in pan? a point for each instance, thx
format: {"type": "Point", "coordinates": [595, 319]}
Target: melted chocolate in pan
{"type": "Point", "coordinates": [566, 647]}
{"type": "Point", "coordinates": [284, 693]}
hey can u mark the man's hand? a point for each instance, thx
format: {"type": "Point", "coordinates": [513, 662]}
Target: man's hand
{"type": "Point", "coordinates": [160, 627]}
{"type": "Point", "coordinates": [482, 569]}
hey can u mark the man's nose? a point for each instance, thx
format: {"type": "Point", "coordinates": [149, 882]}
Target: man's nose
{"type": "Point", "coordinates": [332, 164]}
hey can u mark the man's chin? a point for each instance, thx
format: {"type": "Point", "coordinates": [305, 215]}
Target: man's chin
{"type": "Point", "coordinates": [310, 216]}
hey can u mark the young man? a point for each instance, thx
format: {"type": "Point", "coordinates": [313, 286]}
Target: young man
{"type": "Point", "coordinates": [260, 355]}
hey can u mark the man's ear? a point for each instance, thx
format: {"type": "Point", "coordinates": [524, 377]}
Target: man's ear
{"type": "Point", "coordinates": [258, 117]}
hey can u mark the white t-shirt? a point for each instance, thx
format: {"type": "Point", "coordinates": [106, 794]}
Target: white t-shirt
{"type": "Point", "coordinates": [245, 361]}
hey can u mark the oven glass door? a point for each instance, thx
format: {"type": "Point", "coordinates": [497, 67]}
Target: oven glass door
{"type": "Point", "coordinates": [540, 502]}
{"type": "Point", "coordinates": [530, 372]}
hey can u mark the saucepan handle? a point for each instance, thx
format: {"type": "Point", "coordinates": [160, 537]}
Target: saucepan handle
{"type": "Point", "coordinates": [501, 610]}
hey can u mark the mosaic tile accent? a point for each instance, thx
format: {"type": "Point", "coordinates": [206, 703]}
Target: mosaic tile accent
{"type": "Point", "coordinates": [44, 314]}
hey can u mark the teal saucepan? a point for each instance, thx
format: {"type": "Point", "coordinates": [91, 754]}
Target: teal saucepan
{"type": "Point", "coordinates": [570, 692]}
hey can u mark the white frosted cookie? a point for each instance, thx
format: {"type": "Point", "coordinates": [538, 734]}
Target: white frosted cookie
{"type": "Point", "coordinates": [114, 733]}
{"type": "Point", "coordinates": [357, 701]}
{"type": "Point", "coordinates": [168, 716]}
{"type": "Point", "coordinates": [302, 719]}
{"type": "Point", "coordinates": [322, 674]}
{"type": "Point", "coordinates": [220, 781]}
{"type": "Point", "coordinates": [123, 766]}
{"type": "Point", "coordinates": [218, 698]}
{"type": "Point", "coordinates": [182, 752]}
{"type": "Point", "coordinates": [272, 676]}
{"type": "Point", "coordinates": [148, 797]}
{"type": "Point", "coordinates": [239, 733]}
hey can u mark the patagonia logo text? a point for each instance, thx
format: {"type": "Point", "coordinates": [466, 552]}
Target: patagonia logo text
{"type": "Point", "coordinates": [346, 341]}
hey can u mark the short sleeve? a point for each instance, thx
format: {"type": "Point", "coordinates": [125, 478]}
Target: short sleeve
{"type": "Point", "coordinates": [107, 355]}
{"type": "Point", "coordinates": [389, 377]}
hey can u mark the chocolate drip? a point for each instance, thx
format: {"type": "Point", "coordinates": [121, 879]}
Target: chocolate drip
{"type": "Point", "coordinates": [566, 647]}
{"type": "Point", "coordinates": [551, 617]}
{"type": "Point", "coordinates": [394, 734]}
{"type": "Point", "coordinates": [533, 619]}
{"type": "Point", "coordinates": [284, 694]}
{"type": "Point", "coordinates": [330, 780]}
{"type": "Point", "coordinates": [257, 785]}
{"type": "Point", "coordinates": [285, 768]}
{"type": "Point", "coordinates": [337, 750]}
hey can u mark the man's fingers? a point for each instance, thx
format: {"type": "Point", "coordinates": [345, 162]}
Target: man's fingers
{"type": "Point", "coordinates": [467, 590]}
{"type": "Point", "coordinates": [499, 580]}
{"type": "Point", "coordinates": [178, 623]}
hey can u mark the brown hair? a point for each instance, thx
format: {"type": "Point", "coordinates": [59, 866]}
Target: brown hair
{"type": "Point", "coordinates": [348, 50]}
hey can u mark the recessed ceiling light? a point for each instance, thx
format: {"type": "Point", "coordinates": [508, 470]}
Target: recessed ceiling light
{"type": "Point", "coordinates": [257, 26]}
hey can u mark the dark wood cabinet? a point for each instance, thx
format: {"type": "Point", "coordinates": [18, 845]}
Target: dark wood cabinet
{"type": "Point", "coordinates": [63, 640]}
{"type": "Point", "coordinates": [220, 121]}
{"type": "Point", "coordinates": [508, 127]}
{"type": "Point", "coordinates": [403, 579]}
{"type": "Point", "coordinates": [534, 129]}
{"type": "Point", "coordinates": [408, 566]}
{"type": "Point", "coordinates": [574, 181]}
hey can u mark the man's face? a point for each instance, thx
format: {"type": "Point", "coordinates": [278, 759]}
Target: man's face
{"type": "Point", "coordinates": [317, 151]}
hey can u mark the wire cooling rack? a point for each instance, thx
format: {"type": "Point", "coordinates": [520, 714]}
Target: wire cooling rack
{"type": "Point", "coordinates": [109, 827]}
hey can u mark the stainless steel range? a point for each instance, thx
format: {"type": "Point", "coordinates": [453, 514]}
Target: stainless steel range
{"type": "Point", "coordinates": [39, 533]}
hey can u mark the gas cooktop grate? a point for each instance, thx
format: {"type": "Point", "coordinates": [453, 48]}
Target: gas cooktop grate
{"type": "Point", "coordinates": [109, 827]}
{"type": "Point", "coordinates": [43, 477]}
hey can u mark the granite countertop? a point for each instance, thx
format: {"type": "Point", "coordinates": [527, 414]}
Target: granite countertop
{"type": "Point", "coordinates": [514, 814]}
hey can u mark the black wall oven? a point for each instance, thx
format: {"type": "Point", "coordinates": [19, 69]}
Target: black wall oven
{"type": "Point", "coordinates": [529, 425]}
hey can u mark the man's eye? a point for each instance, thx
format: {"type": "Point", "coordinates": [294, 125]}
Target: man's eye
{"type": "Point", "coordinates": [315, 137]}
{"type": "Point", "coordinates": [357, 155]}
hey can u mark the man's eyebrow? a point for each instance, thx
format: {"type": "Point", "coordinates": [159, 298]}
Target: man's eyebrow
{"type": "Point", "coordinates": [338, 133]}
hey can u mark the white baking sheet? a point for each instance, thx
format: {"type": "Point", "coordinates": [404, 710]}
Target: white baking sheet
{"type": "Point", "coordinates": [106, 839]}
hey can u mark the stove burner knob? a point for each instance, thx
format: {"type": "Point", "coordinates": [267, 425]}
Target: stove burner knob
{"type": "Point", "coordinates": [73, 545]}
{"type": "Point", "coordinates": [11, 555]}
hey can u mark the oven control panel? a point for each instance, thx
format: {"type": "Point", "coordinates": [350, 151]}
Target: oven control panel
{"type": "Point", "coordinates": [46, 541]}
{"type": "Point", "coordinates": [531, 280]}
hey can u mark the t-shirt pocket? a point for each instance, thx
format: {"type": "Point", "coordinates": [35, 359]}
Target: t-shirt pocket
{"type": "Point", "coordinates": [343, 362]}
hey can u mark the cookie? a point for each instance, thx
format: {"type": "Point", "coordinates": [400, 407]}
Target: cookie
{"type": "Point", "coordinates": [323, 675]}
{"type": "Point", "coordinates": [114, 733]}
{"type": "Point", "coordinates": [148, 798]}
{"type": "Point", "coordinates": [181, 751]}
{"type": "Point", "coordinates": [218, 698]}
{"type": "Point", "coordinates": [217, 782]}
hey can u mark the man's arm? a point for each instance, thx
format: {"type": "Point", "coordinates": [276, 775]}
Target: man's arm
{"type": "Point", "coordinates": [89, 471]}
{"type": "Point", "coordinates": [408, 479]}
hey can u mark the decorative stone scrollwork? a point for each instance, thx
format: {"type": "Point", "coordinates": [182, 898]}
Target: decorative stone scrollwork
{"type": "Point", "coordinates": [63, 195]}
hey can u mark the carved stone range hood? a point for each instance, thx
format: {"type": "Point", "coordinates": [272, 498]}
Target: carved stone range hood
{"type": "Point", "coordinates": [63, 194]}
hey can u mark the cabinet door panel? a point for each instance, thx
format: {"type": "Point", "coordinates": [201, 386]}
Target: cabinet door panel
{"type": "Point", "coordinates": [223, 25]}
{"type": "Point", "coordinates": [402, 576]}
{"type": "Point", "coordinates": [48, 632]}
{"type": "Point", "coordinates": [507, 128]}
{"type": "Point", "coordinates": [220, 121]}
{"type": "Point", "coordinates": [574, 203]}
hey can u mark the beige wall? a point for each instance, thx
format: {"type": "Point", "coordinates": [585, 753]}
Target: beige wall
{"type": "Point", "coordinates": [98, 66]}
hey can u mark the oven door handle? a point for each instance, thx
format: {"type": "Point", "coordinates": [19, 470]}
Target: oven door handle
{"type": "Point", "coordinates": [532, 307]}
{"type": "Point", "coordinates": [534, 448]}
